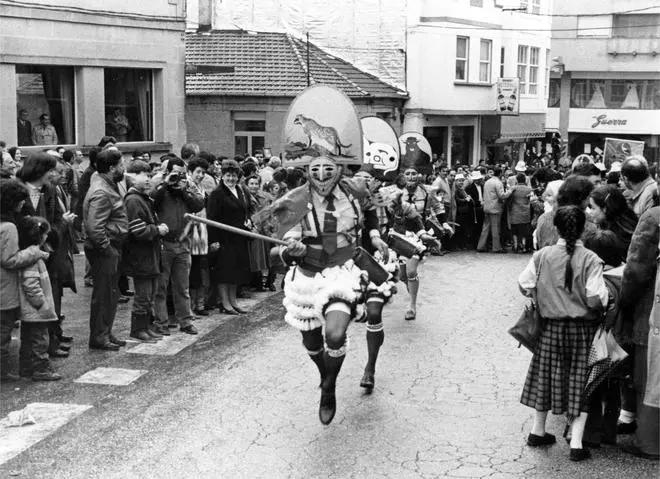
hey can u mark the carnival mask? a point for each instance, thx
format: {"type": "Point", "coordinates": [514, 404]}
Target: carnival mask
{"type": "Point", "coordinates": [324, 174]}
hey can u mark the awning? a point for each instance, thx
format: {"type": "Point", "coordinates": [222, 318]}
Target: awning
{"type": "Point", "coordinates": [522, 127]}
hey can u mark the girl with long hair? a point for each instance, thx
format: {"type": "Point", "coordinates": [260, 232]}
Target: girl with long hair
{"type": "Point", "coordinates": [571, 295]}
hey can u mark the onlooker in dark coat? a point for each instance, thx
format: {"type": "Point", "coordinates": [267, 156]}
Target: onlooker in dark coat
{"type": "Point", "coordinates": [173, 198]}
{"type": "Point", "coordinates": [37, 173]}
{"type": "Point", "coordinates": [228, 204]}
{"type": "Point", "coordinates": [635, 303]}
{"type": "Point", "coordinates": [12, 259]}
{"type": "Point", "coordinates": [142, 250]}
{"type": "Point", "coordinates": [83, 188]}
{"type": "Point", "coordinates": [520, 213]}
{"type": "Point", "coordinates": [106, 225]}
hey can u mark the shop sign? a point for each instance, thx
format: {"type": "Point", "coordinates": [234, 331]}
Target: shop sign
{"type": "Point", "coordinates": [507, 101]}
{"type": "Point", "coordinates": [645, 122]}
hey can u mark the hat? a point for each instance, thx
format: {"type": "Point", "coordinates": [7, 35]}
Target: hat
{"type": "Point", "coordinates": [459, 176]}
{"type": "Point", "coordinates": [521, 167]}
{"type": "Point", "coordinates": [476, 175]}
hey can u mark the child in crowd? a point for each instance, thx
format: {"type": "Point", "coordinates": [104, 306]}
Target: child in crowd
{"type": "Point", "coordinates": [141, 257]}
{"type": "Point", "coordinates": [37, 305]}
{"type": "Point", "coordinates": [12, 197]}
{"type": "Point", "coordinates": [571, 295]}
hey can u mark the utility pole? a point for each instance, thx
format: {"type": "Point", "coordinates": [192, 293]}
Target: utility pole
{"type": "Point", "coordinates": [308, 76]}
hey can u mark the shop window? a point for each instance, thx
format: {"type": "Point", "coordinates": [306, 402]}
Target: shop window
{"type": "Point", "coordinates": [636, 25]}
{"type": "Point", "coordinates": [616, 94]}
{"type": "Point", "coordinates": [554, 94]}
{"type": "Point", "coordinates": [249, 136]}
{"type": "Point", "coordinates": [45, 105]}
{"type": "Point", "coordinates": [462, 55]}
{"type": "Point", "coordinates": [129, 104]}
{"type": "Point", "coordinates": [485, 53]}
{"type": "Point", "coordinates": [461, 145]}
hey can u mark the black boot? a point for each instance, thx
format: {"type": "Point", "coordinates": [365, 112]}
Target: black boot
{"type": "Point", "coordinates": [317, 358]}
{"type": "Point", "coordinates": [328, 403]}
{"type": "Point", "coordinates": [375, 338]}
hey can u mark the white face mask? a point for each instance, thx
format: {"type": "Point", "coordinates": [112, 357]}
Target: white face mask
{"type": "Point", "coordinates": [324, 174]}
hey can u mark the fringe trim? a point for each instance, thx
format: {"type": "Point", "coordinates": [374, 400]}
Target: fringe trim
{"type": "Point", "coordinates": [337, 353]}
{"type": "Point", "coordinates": [374, 328]}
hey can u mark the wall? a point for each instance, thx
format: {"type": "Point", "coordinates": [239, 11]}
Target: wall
{"type": "Point", "coordinates": [433, 28]}
{"type": "Point", "coordinates": [89, 42]}
{"type": "Point", "coordinates": [209, 119]}
{"type": "Point", "coordinates": [161, 8]}
{"type": "Point", "coordinates": [581, 53]}
{"type": "Point", "coordinates": [371, 34]}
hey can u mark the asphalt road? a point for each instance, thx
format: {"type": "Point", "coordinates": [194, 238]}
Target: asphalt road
{"type": "Point", "coordinates": [241, 401]}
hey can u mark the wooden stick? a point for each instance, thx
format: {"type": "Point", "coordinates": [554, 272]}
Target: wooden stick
{"type": "Point", "coordinates": [233, 229]}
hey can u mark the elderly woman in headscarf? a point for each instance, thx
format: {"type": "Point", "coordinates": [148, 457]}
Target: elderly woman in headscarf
{"type": "Point", "coordinates": [259, 250]}
{"type": "Point", "coordinates": [465, 215]}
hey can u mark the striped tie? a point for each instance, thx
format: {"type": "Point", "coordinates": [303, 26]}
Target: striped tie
{"type": "Point", "coordinates": [330, 227]}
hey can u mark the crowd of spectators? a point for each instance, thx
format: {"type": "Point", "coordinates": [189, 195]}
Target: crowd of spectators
{"type": "Point", "coordinates": [130, 212]}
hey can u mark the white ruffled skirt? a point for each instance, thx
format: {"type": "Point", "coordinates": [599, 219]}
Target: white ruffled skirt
{"type": "Point", "coordinates": [306, 297]}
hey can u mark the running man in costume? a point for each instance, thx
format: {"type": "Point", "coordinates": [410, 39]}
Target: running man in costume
{"type": "Point", "coordinates": [324, 289]}
{"type": "Point", "coordinates": [433, 215]}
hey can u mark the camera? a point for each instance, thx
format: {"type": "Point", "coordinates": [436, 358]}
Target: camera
{"type": "Point", "coordinates": [174, 178]}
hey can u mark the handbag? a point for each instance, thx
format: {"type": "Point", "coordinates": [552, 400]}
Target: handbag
{"type": "Point", "coordinates": [527, 330]}
{"type": "Point", "coordinates": [363, 260]}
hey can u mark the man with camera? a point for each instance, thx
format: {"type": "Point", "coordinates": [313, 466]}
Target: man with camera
{"type": "Point", "coordinates": [173, 198]}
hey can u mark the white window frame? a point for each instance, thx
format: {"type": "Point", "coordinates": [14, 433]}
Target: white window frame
{"type": "Point", "coordinates": [465, 59]}
{"type": "Point", "coordinates": [248, 116]}
{"type": "Point", "coordinates": [533, 71]}
{"type": "Point", "coordinates": [487, 62]}
{"type": "Point", "coordinates": [521, 70]}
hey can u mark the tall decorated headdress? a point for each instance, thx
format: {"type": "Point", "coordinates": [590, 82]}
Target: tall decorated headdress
{"type": "Point", "coordinates": [416, 152]}
{"type": "Point", "coordinates": [381, 149]}
{"type": "Point", "coordinates": [321, 121]}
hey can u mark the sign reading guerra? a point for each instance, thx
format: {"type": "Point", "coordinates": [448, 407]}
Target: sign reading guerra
{"type": "Point", "coordinates": [635, 122]}
{"type": "Point", "coordinates": [603, 120]}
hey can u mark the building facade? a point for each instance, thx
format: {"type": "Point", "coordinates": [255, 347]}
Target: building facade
{"type": "Point", "coordinates": [239, 86]}
{"type": "Point", "coordinates": [457, 50]}
{"type": "Point", "coordinates": [606, 76]}
{"type": "Point", "coordinates": [90, 68]}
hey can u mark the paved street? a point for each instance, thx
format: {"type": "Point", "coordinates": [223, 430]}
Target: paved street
{"type": "Point", "coordinates": [241, 400]}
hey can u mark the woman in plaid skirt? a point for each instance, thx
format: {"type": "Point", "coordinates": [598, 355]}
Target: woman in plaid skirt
{"type": "Point", "coordinates": [571, 295]}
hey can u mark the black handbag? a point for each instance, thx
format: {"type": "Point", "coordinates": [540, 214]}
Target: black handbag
{"type": "Point", "coordinates": [530, 324]}
{"type": "Point", "coordinates": [363, 260]}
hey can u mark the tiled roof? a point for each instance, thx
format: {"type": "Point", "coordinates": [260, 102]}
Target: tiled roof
{"type": "Point", "coordinates": [272, 64]}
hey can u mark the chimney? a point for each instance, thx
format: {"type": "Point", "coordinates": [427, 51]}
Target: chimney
{"type": "Point", "coordinates": [205, 15]}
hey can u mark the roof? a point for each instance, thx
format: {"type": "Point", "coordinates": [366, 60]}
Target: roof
{"type": "Point", "coordinates": [271, 64]}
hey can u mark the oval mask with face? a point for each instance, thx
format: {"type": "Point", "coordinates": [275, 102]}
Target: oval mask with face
{"type": "Point", "coordinates": [324, 174]}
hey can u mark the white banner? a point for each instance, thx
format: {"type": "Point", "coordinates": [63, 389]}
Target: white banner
{"type": "Point", "coordinates": [640, 122]}
{"type": "Point", "coordinates": [507, 100]}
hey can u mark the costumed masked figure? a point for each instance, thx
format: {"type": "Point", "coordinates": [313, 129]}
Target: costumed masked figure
{"type": "Point", "coordinates": [322, 221]}
{"type": "Point", "coordinates": [433, 216]}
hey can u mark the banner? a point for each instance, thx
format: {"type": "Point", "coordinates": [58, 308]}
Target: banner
{"type": "Point", "coordinates": [508, 99]}
{"type": "Point", "coordinates": [618, 150]}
